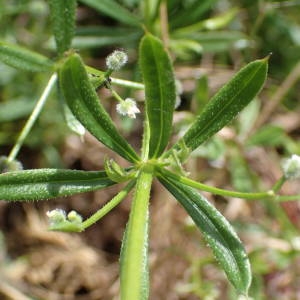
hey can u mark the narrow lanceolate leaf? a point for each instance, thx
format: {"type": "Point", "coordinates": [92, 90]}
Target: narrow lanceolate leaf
{"type": "Point", "coordinates": [84, 103]}
{"type": "Point", "coordinates": [43, 184]}
{"type": "Point", "coordinates": [227, 103]}
{"type": "Point", "coordinates": [134, 252]}
{"type": "Point", "coordinates": [63, 23]}
{"type": "Point", "coordinates": [217, 232]}
{"type": "Point", "coordinates": [160, 93]}
{"type": "Point", "coordinates": [24, 59]}
{"type": "Point", "coordinates": [113, 9]}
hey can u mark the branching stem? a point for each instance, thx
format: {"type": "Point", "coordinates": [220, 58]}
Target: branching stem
{"type": "Point", "coordinates": [108, 206]}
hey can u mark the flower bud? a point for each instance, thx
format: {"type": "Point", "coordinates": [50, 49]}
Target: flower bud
{"type": "Point", "coordinates": [291, 167]}
{"type": "Point", "coordinates": [74, 217]}
{"type": "Point", "coordinates": [9, 166]}
{"type": "Point", "coordinates": [56, 216]}
{"type": "Point", "coordinates": [116, 60]}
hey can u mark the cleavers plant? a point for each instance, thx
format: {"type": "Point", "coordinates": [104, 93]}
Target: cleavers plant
{"type": "Point", "coordinates": [77, 84]}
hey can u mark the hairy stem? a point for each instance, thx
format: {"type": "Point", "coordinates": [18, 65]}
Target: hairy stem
{"type": "Point", "coordinates": [108, 206]}
{"type": "Point", "coordinates": [217, 191]}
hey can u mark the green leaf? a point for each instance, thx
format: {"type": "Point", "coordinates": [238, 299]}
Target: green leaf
{"type": "Point", "coordinates": [185, 49]}
{"type": "Point", "coordinates": [227, 103]}
{"type": "Point", "coordinates": [15, 109]}
{"type": "Point", "coordinates": [84, 104]}
{"type": "Point", "coordinates": [43, 184]}
{"type": "Point", "coordinates": [24, 59]}
{"type": "Point", "coordinates": [63, 23]}
{"type": "Point", "coordinates": [134, 252]}
{"type": "Point", "coordinates": [268, 135]}
{"type": "Point", "coordinates": [192, 13]}
{"type": "Point", "coordinates": [88, 42]}
{"type": "Point", "coordinates": [214, 23]}
{"type": "Point", "coordinates": [114, 10]}
{"type": "Point", "coordinates": [73, 124]}
{"type": "Point", "coordinates": [216, 41]}
{"type": "Point", "coordinates": [150, 9]}
{"type": "Point", "coordinates": [217, 231]}
{"type": "Point", "coordinates": [160, 92]}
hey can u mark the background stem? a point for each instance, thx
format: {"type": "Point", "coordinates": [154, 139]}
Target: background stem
{"type": "Point", "coordinates": [34, 115]}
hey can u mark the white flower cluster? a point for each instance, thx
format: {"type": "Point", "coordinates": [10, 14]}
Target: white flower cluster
{"type": "Point", "coordinates": [116, 60]}
{"type": "Point", "coordinates": [128, 107]}
{"type": "Point", "coordinates": [291, 167]}
{"type": "Point", "coordinates": [58, 216]}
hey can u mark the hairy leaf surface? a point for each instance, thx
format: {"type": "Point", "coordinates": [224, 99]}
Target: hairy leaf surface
{"type": "Point", "coordinates": [160, 93]}
{"type": "Point", "coordinates": [24, 59]}
{"type": "Point", "coordinates": [42, 184]}
{"type": "Point", "coordinates": [63, 23]}
{"type": "Point", "coordinates": [227, 103]}
{"type": "Point", "coordinates": [84, 103]}
{"type": "Point", "coordinates": [134, 252]}
{"type": "Point", "coordinates": [217, 232]}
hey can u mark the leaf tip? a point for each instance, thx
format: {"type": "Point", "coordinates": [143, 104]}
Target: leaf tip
{"type": "Point", "coordinates": [266, 58]}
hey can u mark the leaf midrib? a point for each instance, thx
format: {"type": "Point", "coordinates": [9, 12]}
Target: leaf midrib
{"type": "Point", "coordinates": [220, 111]}
{"type": "Point", "coordinates": [158, 144]}
{"type": "Point", "coordinates": [95, 120]}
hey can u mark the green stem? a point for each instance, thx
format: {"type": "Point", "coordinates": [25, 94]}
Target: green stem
{"type": "Point", "coordinates": [34, 115]}
{"type": "Point", "coordinates": [217, 191]}
{"type": "Point", "coordinates": [116, 95]}
{"type": "Point", "coordinates": [276, 187]}
{"type": "Point", "coordinates": [116, 81]}
{"type": "Point", "coordinates": [249, 196]}
{"type": "Point", "coordinates": [108, 206]}
{"type": "Point", "coordinates": [287, 198]}
{"type": "Point", "coordinates": [147, 14]}
{"type": "Point", "coordinates": [134, 256]}
{"type": "Point", "coordinates": [127, 83]}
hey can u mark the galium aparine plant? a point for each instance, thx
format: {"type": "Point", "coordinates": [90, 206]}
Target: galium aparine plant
{"type": "Point", "coordinates": [77, 84]}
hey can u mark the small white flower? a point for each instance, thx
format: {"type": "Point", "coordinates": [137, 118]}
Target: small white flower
{"type": "Point", "coordinates": [179, 91]}
{"type": "Point", "coordinates": [116, 60]}
{"type": "Point", "coordinates": [291, 167]}
{"type": "Point", "coordinates": [128, 107]}
{"type": "Point", "coordinates": [56, 215]}
{"type": "Point", "coordinates": [74, 217]}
